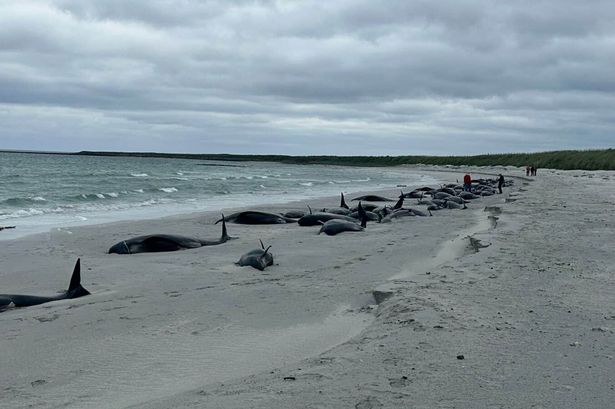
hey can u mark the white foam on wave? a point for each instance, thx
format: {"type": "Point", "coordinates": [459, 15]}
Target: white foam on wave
{"type": "Point", "coordinates": [168, 189]}
{"type": "Point", "coordinates": [139, 175]}
{"type": "Point", "coordinates": [308, 184]}
{"type": "Point", "coordinates": [100, 195]}
{"type": "Point", "coordinates": [39, 199]}
{"type": "Point", "coordinates": [113, 194]}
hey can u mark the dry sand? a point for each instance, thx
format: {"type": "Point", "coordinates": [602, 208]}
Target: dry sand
{"type": "Point", "coordinates": [529, 304]}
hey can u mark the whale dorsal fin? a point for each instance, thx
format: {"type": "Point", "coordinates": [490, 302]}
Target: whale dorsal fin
{"type": "Point", "coordinates": [400, 202]}
{"type": "Point", "coordinates": [309, 208]}
{"type": "Point", "coordinates": [75, 289]}
{"type": "Point", "coordinates": [225, 235]}
{"type": "Point", "coordinates": [262, 245]}
{"type": "Point", "coordinates": [266, 250]}
{"type": "Point", "coordinates": [75, 279]}
{"type": "Point", "coordinates": [343, 202]}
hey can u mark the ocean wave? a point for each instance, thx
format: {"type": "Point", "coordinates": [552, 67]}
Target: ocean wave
{"type": "Point", "coordinates": [21, 201]}
{"type": "Point", "coordinates": [308, 184]}
{"type": "Point", "coordinates": [168, 189]}
{"type": "Point", "coordinates": [80, 209]}
{"type": "Point", "coordinates": [94, 196]}
{"type": "Point", "coordinates": [139, 175]}
{"type": "Point", "coordinates": [23, 213]}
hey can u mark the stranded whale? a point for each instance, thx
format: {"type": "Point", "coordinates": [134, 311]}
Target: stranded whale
{"type": "Point", "coordinates": [257, 258]}
{"type": "Point", "coordinates": [257, 217]}
{"type": "Point", "coordinates": [165, 242]}
{"type": "Point", "coordinates": [75, 290]}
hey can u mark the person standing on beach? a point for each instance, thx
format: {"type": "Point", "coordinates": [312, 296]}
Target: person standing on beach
{"type": "Point", "coordinates": [500, 182]}
{"type": "Point", "coordinates": [467, 183]}
{"type": "Point", "coordinates": [527, 170]}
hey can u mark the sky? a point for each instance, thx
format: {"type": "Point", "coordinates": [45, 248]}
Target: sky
{"type": "Point", "coordinates": [305, 77]}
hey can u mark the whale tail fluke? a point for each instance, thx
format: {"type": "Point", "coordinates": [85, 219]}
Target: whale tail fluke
{"type": "Point", "coordinates": [74, 287]}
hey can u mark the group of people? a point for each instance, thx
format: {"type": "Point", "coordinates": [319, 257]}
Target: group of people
{"type": "Point", "coordinates": [467, 182]}
{"type": "Point", "coordinates": [530, 170]}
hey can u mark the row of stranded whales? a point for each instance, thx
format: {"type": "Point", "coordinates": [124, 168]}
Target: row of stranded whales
{"type": "Point", "coordinates": [314, 219]}
{"type": "Point", "coordinates": [75, 290]}
{"type": "Point", "coordinates": [449, 196]}
{"type": "Point", "coordinates": [166, 242]}
{"type": "Point", "coordinates": [335, 226]}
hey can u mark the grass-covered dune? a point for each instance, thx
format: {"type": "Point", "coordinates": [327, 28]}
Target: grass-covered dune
{"type": "Point", "coordinates": [603, 159]}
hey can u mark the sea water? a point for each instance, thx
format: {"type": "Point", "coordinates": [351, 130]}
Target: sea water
{"type": "Point", "coordinates": [39, 192]}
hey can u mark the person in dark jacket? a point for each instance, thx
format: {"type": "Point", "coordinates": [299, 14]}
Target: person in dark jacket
{"type": "Point", "coordinates": [500, 182]}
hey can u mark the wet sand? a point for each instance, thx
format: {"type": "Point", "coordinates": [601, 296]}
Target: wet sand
{"type": "Point", "coordinates": [529, 304]}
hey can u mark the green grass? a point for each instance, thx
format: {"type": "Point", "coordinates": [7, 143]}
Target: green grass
{"type": "Point", "coordinates": [603, 159]}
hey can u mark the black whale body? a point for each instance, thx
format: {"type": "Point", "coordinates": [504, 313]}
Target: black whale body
{"type": "Point", "coordinates": [257, 217]}
{"type": "Point", "coordinates": [257, 258]}
{"type": "Point", "coordinates": [154, 243]}
{"type": "Point", "coordinates": [315, 219]}
{"type": "Point", "coordinates": [75, 290]}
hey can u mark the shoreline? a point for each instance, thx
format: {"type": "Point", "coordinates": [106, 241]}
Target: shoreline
{"type": "Point", "coordinates": [194, 294]}
{"type": "Point", "coordinates": [151, 208]}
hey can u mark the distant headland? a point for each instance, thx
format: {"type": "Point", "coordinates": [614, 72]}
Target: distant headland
{"type": "Point", "coordinates": [595, 159]}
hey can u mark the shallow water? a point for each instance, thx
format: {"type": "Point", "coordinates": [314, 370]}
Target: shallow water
{"type": "Point", "coordinates": [41, 191]}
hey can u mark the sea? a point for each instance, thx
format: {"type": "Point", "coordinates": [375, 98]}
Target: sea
{"type": "Point", "coordinates": [41, 192]}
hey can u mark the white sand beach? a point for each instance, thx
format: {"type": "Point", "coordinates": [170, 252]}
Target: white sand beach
{"type": "Point", "coordinates": [373, 319]}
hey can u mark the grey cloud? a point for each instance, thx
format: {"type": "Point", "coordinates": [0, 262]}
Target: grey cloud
{"type": "Point", "coordinates": [292, 77]}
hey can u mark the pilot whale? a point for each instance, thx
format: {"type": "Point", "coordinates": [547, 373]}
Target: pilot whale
{"type": "Point", "coordinates": [75, 290]}
{"type": "Point", "coordinates": [258, 217]}
{"type": "Point", "coordinates": [165, 242]}
{"type": "Point", "coordinates": [257, 258]}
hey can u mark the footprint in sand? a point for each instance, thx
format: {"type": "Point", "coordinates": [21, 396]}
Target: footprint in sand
{"type": "Point", "coordinates": [369, 403]}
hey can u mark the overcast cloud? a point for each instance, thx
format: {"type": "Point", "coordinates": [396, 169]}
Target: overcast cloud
{"type": "Point", "coordinates": [343, 77]}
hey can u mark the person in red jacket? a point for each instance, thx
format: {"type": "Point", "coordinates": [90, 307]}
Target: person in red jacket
{"type": "Point", "coordinates": [467, 183]}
